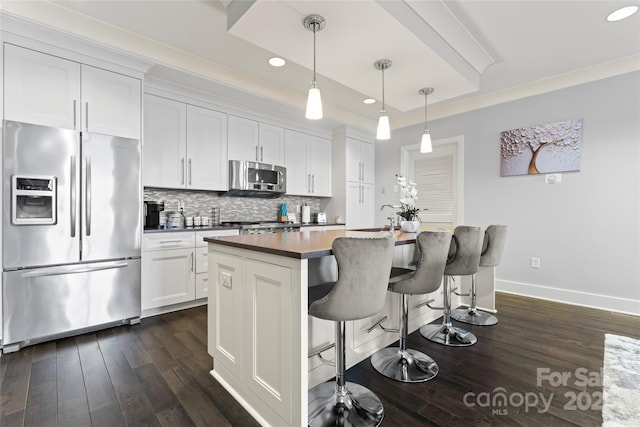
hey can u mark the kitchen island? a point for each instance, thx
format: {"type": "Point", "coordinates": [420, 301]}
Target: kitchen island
{"type": "Point", "coordinates": [259, 333]}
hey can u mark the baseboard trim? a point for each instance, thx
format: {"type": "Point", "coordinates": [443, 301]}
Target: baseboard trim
{"type": "Point", "coordinates": [584, 299]}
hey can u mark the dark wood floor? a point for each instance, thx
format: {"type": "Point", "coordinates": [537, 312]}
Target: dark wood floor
{"type": "Point", "coordinates": [156, 373]}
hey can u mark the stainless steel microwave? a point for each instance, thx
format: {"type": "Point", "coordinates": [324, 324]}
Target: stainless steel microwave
{"type": "Point", "coordinates": [252, 179]}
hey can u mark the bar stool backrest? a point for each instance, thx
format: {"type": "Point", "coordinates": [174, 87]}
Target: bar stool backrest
{"type": "Point", "coordinates": [493, 245]}
{"type": "Point", "coordinates": [364, 265]}
{"type": "Point", "coordinates": [464, 254]}
{"type": "Point", "coordinates": [433, 247]}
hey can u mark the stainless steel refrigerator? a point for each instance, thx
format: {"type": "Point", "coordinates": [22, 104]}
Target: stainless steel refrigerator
{"type": "Point", "coordinates": [71, 232]}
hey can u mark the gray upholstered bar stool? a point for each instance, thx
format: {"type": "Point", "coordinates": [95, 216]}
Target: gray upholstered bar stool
{"type": "Point", "coordinates": [492, 249]}
{"type": "Point", "coordinates": [464, 257]}
{"type": "Point", "coordinates": [364, 266]}
{"type": "Point", "coordinates": [400, 363]}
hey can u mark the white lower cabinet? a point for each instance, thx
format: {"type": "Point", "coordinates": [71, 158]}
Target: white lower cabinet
{"type": "Point", "coordinates": [174, 268]}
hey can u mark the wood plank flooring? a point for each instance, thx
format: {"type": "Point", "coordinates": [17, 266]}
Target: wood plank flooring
{"type": "Point", "coordinates": [157, 373]}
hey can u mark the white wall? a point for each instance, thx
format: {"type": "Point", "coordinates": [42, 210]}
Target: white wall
{"type": "Point", "coordinates": [586, 230]}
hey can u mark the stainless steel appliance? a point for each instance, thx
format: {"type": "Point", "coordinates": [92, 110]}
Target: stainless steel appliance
{"type": "Point", "coordinates": [255, 227]}
{"type": "Point", "coordinates": [251, 179]}
{"type": "Point", "coordinates": [71, 232]}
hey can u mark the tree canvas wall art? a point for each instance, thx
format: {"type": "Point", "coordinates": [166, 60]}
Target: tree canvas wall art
{"type": "Point", "coordinates": [548, 148]}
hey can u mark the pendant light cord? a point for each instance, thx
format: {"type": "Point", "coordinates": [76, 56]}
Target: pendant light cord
{"type": "Point", "coordinates": [314, 52]}
{"type": "Point", "coordinates": [383, 109]}
{"type": "Point", "coordinates": [426, 93]}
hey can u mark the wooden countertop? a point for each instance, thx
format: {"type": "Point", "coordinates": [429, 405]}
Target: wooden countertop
{"type": "Point", "coordinates": [303, 244]}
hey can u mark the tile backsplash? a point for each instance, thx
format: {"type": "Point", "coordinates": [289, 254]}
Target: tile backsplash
{"type": "Point", "coordinates": [231, 208]}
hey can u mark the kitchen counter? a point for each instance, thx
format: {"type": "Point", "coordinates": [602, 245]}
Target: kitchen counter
{"type": "Point", "coordinates": [302, 245]}
{"type": "Point", "coordinates": [209, 228]}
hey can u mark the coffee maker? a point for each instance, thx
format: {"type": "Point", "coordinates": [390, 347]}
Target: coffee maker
{"type": "Point", "coordinates": [152, 214]}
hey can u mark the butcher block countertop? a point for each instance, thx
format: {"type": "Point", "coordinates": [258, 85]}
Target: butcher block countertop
{"type": "Point", "coordinates": [303, 244]}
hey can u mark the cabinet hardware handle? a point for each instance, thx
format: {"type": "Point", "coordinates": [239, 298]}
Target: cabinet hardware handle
{"type": "Point", "coordinates": [189, 171]}
{"type": "Point", "coordinates": [88, 201]}
{"type": "Point", "coordinates": [313, 183]}
{"type": "Point", "coordinates": [169, 241]}
{"type": "Point", "coordinates": [262, 154]}
{"type": "Point", "coordinates": [86, 116]}
{"type": "Point", "coordinates": [362, 172]}
{"type": "Point", "coordinates": [309, 182]}
{"type": "Point", "coordinates": [257, 158]}
{"type": "Point", "coordinates": [75, 121]}
{"type": "Point", "coordinates": [182, 170]}
{"type": "Point", "coordinates": [191, 261]}
{"type": "Point", "coordinates": [73, 195]}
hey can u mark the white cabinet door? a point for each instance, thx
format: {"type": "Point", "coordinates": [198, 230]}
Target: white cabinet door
{"type": "Point", "coordinates": [298, 178]}
{"type": "Point", "coordinates": [206, 164]}
{"type": "Point", "coordinates": [319, 153]}
{"type": "Point", "coordinates": [243, 139]}
{"type": "Point", "coordinates": [368, 206]}
{"type": "Point", "coordinates": [354, 165]}
{"type": "Point", "coordinates": [164, 144]}
{"type": "Point", "coordinates": [361, 161]}
{"type": "Point", "coordinates": [368, 160]}
{"type": "Point", "coordinates": [360, 204]}
{"type": "Point", "coordinates": [271, 141]}
{"type": "Point", "coordinates": [226, 302]}
{"type": "Point", "coordinates": [169, 277]}
{"type": "Point", "coordinates": [268, 334]}
{"type": "Point", "coordinates": [41, 89]}
{"type": "Point", "coordinates": [111, 103]}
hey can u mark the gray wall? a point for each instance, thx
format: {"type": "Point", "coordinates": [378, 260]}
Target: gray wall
{"type": "Point", "coordinates": [586, 230]}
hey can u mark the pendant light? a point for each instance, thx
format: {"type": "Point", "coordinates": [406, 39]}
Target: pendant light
{"type": "Point", "coordinates": [425, 142]}
{"type": "Point", "coordinates": [384, 132]}
{"type": "Point", "coordinates": [314, 23]}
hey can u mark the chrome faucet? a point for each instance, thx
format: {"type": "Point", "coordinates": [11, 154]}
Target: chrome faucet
{"type": "Point", "coordinates": [389, 206]}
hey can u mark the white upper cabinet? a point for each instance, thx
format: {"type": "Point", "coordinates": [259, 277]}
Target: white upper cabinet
{"type": "Point", "coordinates": [360, 161]}
{"type": "Point", "coordinates": [255, 141]}
{"type": "Point", "coordinates": [164, 148]}
{"type": "Point", "coordinates": [271, 141]}
{"type": "Point", "coordinates": [206, 149]}
{"type": "Point", "coordinates": [51, 91]}
{"type": "Point", "coordinates": [185, 146]}
{"type": "Point", "coordinates": [111, 103]}
{"type": "Point", "coordinates": [41, 89]}
{"type": "Point", "coordinates": [308, 163]}
{"type": "Point", "coordinates": [243, 139]}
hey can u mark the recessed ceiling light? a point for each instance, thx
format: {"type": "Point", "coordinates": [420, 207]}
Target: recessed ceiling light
{"type": "Point", "coordinates": [368, 101]}
{"type": "Point", "coordinates": [276, 61]}
{"type": "Point", "coordinates": [622, 13]}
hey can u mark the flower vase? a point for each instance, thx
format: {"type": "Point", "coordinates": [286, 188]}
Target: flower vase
{"type": "Point", "coordinates": [410, 226]}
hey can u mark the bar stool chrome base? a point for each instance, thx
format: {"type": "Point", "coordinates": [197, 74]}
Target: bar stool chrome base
{"type": "Point", "coordinates": [409, 366]}
{"type": "Point", "coordinates": [448, 335]}
{"type": "Point", "coordinates": [358, 407]}
{"type": "Point", "coordinates": [474, 317]}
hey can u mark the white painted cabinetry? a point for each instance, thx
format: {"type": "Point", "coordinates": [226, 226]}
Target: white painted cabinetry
{"type": "Point", "coordinates": [174, 267]}
{"type": "Point", "coordinates": [51, 91]}
{"type": "Point", "coordinates": [185, 146]}
{"type": "Point", "coordinates": [308, 163]}
{"type": "Point", "coordinates": [353, 196]}
{"type": "Point", "coordinates": [255, 141]}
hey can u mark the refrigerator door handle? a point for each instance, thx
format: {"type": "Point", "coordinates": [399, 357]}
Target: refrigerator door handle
{"type": "Point", "coordinates": [74, 269]}
{"type": "Point", "coordinates": [73, 196]}
{"type": "Point", "coordinates": [88, 196]}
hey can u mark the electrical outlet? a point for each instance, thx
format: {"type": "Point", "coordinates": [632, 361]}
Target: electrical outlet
{"type": "Point", "coordinates": [535, 262]}
{"type": "Point", "coordinates": [181, 205]}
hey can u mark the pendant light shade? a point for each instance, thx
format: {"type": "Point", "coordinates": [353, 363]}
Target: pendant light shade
{"type": "Point", "coordinates": [314, 23]}
{"type": "Point", "coordinates": [384, 130]}
{"type": "Point", "coordinates": [425, 141]}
